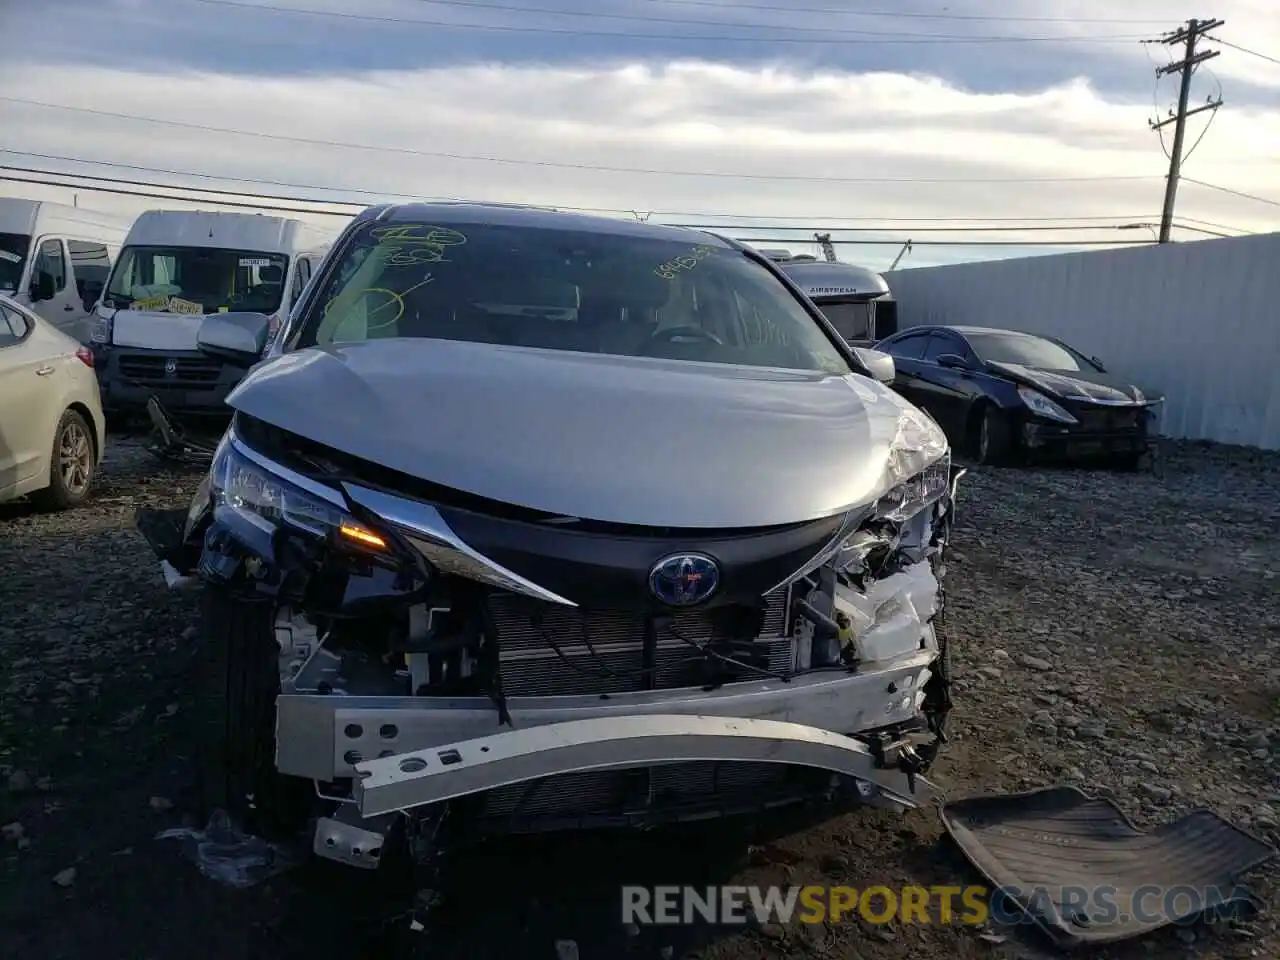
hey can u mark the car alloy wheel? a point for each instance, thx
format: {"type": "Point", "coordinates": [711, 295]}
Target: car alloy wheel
{"type": "Point", "coordinates": [75, 457]}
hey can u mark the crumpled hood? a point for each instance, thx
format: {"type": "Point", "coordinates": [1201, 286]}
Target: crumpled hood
{"type": "Point", "coordinates": [615, 439]}
{"type": "Point", "coordinates": [1077, 384]}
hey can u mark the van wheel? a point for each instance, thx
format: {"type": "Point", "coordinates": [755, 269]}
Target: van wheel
{"type": "Point", "coordinates": [73, 464]}
{"type": "Point", "coordinates": [239, 681]}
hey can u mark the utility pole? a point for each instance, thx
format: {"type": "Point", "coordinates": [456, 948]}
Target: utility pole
{"type": "Point", "coordinates": [1188, 35]}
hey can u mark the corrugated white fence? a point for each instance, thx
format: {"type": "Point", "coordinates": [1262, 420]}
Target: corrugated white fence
{"type": "Point", "coordinates": [1198, 321]}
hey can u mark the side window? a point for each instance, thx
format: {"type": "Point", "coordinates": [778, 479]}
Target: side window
{"type": "Point", "coordinates": [301, 274]}
{"type": "Point", "coordinates": [90, 266]}
{"type": "Point", "coordinates": [51, 261]}
{"type": "Point", "coordinates": [13, 327]}
{"type": "Point", "coordinates": [910, 347]}
{"type": "Point", "coordinates": [939, 344]}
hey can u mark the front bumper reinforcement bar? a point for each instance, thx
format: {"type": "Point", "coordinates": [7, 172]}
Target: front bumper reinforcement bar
{"type": "Point", "coordinates": [420, 777]}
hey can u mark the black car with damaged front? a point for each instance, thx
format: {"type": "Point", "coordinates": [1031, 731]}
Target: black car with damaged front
{"type": "Point", "coordinates": [549, 521]}
{"type": "Point", "coordinates": [1001, 394]}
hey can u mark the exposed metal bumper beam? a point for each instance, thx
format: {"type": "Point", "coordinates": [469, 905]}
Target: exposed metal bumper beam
{"type": "Point", "coordinates": [406, 780]}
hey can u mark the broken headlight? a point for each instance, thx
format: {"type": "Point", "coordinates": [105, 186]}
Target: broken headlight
{"type": "Point", "coordinates": [242, 483]}
{"type": "Point", "coordinates": [916, 493]}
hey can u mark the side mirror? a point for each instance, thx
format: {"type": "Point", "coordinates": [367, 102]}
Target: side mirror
{"type": "Point", "coordinates": [878, 362]}
{"type": "Point", "coordinates": [1098, 363]}
{"type": "Point", "coordinates": [42, 287]}
{"type": "Point", "coordinates": [953, 360]}
{"type": "Point", "coordinates": [235, 338]}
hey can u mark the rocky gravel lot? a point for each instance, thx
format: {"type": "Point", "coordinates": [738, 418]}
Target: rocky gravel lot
{"type": "Point", "coordinates": [1115, 631]}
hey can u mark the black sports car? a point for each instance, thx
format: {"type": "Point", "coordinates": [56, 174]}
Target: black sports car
{"type": "Point", "coordinates": [998, 393]}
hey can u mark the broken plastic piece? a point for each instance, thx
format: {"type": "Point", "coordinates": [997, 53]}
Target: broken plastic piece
{"type": "Point", "coordinates": [226, 854]}
{"type": "Point", "coordinates": [890, 618]}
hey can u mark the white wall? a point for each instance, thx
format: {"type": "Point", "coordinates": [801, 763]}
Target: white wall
{"type": "Point", "coordinates": [1197, 321]}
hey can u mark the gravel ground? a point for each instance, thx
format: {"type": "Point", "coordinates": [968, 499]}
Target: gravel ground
{"type": "Point", "coordinates": [1116, 631]}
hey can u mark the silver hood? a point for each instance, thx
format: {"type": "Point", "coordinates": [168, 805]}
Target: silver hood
{"type": "Point", "coordinates": [615, 439]}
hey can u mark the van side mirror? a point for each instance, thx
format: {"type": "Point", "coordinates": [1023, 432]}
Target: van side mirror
{"type": "Point", "coordinates": [234, 338]}
{"type": "Point", "coordinates": [42, 287]}
{"type": "Point", "coordinates": [954, 361]}
{"type": "Point", "coordinates": [878, 362]}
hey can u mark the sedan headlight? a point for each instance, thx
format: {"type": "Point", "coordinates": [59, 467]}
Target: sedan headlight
{"type": "Point", "coordinates": [1042, 406]}
{"type": "Point", "coordinates": [269, 501]}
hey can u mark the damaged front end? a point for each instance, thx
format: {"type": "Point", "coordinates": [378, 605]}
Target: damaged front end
{"type": "Point", "coordinates": [440, 653]}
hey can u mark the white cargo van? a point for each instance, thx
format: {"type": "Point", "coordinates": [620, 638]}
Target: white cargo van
{"type": "Point", "coordinates": [55, 259]}
{"type": "Point", "coordinates": [178, 266]}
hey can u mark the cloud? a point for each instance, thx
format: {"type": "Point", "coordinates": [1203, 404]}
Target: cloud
{"type": "Point", "coordinates": [743, 118]}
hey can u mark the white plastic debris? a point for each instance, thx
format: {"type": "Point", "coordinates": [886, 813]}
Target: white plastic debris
{"type": "Point", "coordinates": [227, 855]}
{"type": "Point", "coordinates": [892, 617]}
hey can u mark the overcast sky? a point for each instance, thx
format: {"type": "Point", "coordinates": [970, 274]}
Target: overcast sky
{"type": "Point", "coordinates": [757, 115]}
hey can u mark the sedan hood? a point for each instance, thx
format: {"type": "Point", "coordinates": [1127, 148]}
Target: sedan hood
{"type": "Point", "coordinates": [1087, 385]}
{"type": "Point", "coordinates": [615, 439]}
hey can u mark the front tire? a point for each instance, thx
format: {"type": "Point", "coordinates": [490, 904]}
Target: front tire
{"type": "Point", "coordinates": [994, 437]}
{"type": "Point", "coordinates": [73, 464]}
{"type": "Point", "coordinates": [239, 681]}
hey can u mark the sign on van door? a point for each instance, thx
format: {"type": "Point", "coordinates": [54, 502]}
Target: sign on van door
{"type": "Point", "coordinates": [51, 273]}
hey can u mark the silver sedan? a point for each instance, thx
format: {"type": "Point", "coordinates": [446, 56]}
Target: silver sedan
{"type": "Point", "coordinates": [52, 431]}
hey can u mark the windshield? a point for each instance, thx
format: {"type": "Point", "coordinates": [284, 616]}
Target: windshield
{"type": "Point", "coordinates": [853, 320]}
{"type": "Point", "coordinates": [13, 253]}
{"type": "Point", "coordinates": [570, 290]}
{"type": "Point", "coordinates": [197, 280]}
{"type": "Point", "coordinates": [1029, 351]}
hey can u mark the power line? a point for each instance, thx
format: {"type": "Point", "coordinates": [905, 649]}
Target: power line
{"type": "Point", "coordinates": [1234, 193]}
{"type": "Point", "coordinates": [848, 36]}
{"type": "Point", "coordinates": [1188, 35]}
{"type": "Point", "coordinates": [384, 194]}
{"type": "Point", "coordinates": [153, 195]}
{"type": "Point", "coordinates": [893, 13]}
{"type": "Point", "coordinates": [166, 196]}
{"type": "Point", "coordinates": [974, 224]}
{"type": "Point", "coordinates": [1252, 53]}
{"type": "Point", "coordinates": [520, 161]}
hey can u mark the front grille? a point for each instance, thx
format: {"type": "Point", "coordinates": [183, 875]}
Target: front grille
{"type": "Point", "coordinates": [1105, 420]}
{"type": "Point", "coordinates": [189, 373]}
{"type": "Point", "coordinates": [633, 793]}
{"type": "Point", "coordinates": [550, 650]}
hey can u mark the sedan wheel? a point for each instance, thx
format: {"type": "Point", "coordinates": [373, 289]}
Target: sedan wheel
{"type": "Point", "coordinates": [72, 466]}
{"type": "Point", "coordinates": [75, 457]}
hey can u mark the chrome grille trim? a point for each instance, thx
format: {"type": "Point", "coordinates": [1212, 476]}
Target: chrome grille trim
{"type": "Point", "coordinates": [436, 538]}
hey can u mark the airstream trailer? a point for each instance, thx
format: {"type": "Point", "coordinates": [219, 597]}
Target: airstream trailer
{"type": "Point", "coordinates": [856, 300]}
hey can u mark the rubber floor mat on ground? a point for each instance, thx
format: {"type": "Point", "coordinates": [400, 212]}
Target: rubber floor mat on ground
{"type": "Point", "coordinates": [1081, 871]}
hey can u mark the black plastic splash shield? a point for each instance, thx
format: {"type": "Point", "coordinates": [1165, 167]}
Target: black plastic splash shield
{"type": "Point", "coordinates": [1077, 868]}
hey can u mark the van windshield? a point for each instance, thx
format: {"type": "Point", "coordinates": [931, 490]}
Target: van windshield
{"type": "Point", "coordinates": [13, 254]}
{"type": "Point", "coordinates": [197, 280]}
{"type": "Point", "coordinates": [567, 289]}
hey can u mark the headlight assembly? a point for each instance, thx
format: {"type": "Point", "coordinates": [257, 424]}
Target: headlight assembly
{"type": "Point", "coordinates": [916, 493]}
{"type": "Point", "coordinates": [1042, 406]}
{"type": "Point", "coordinates": [268, 501]}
